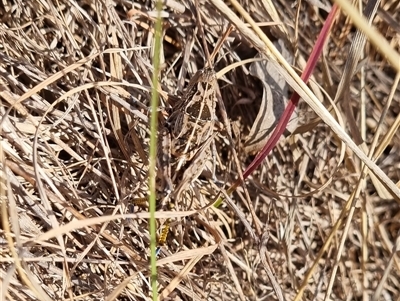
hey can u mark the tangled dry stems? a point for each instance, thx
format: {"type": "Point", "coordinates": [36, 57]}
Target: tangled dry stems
{"type": "Point", "coordinates": [76, 149]}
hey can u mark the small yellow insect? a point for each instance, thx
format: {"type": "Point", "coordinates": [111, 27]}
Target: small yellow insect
{"type": "Point", "coordinates": [163, 236]}
{"type": "Point", "coordinates": [164, 233]}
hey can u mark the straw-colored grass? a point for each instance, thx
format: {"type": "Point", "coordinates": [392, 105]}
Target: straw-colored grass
{"type": "Point", "coordinates": [76, 80]}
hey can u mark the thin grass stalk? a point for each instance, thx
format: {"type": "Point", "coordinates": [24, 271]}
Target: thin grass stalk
{"type": "Point", "coordinates": [153, 150]}
{"type": "Point", "coordinates": [373, 35]}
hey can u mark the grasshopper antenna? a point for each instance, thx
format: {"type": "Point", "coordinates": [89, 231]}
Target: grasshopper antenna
{"type": "Point", "coordinates": [210, 58]}
{"type": "Point", "coordinates": [203, 36]}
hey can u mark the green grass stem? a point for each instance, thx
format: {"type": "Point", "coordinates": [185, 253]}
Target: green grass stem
{"type": "Point", "coordinates": [153, 150]}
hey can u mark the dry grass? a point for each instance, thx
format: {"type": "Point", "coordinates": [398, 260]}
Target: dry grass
{"type": "Point", "coordinates": [76, 78]}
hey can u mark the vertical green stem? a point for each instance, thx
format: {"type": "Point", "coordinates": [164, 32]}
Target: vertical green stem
{"type": "Point", "coordinates": [153, 150]}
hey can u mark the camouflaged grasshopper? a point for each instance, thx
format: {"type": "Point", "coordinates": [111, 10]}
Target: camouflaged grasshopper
{"type": "Point", "coordinates": [186, 136]}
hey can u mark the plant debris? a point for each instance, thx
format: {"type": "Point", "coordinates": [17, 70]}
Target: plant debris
{"type": "Point", "coordinates": [75, 90]}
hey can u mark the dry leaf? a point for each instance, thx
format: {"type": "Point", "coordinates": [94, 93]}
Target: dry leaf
{"type": "Point", "coordinates": [274, 99]}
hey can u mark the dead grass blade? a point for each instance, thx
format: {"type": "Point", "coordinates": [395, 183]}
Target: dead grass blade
{"type": "Point", "coordinates": [356, 49]}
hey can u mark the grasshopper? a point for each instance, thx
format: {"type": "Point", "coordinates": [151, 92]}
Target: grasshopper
{"type": "Point", "coordinates": [186, 136]}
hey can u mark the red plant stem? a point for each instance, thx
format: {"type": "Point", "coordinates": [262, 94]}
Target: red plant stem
{"type": "Point", "coordinates": [294, 100]}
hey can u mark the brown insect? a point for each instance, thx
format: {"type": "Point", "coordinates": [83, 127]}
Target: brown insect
{"type": "Point", "coordinates": [184, 145]}
{"type": "Point", "coordinates": [186, 136]}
